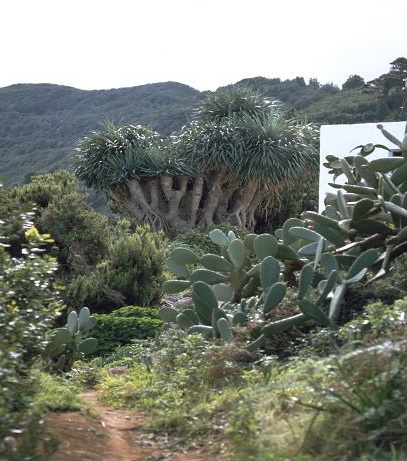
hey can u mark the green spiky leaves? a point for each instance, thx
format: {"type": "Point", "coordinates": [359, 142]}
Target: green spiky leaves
{"type": "Point", "coordinates": [114, 155]}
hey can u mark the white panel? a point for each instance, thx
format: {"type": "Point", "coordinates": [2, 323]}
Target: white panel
{"type": "Point", "coordinates": [339, 140]}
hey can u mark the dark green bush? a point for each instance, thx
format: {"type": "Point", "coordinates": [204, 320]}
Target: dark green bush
{"type": "Point", "coordinates": [29, 304]}
{"type": "Point", "coordinates": [131, 274]}
{"type": "Point", "coordinates": [198, 239]}
{"type": "Point", "coordinates": [359, 296]}
{"type": "Point", "coordinates": [81, 235]}
{"type": "Point", "coordinates": [124, 325]}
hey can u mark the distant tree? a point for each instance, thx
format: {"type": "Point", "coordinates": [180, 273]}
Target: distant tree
{"type": "Point", "coordinates": [399, 66]}
{"type": "Point", "coordinates": [353, 82]}
{"type": "Point", "coordinates": [329, 88]}
{"type": "Point", "coordinates": [300, 82]}
{"type": "Point", "coordinates": [313, 83]}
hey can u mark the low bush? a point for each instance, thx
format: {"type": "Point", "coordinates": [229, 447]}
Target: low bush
{"type": "Point", "coordinates": [131, 274]}
{"type": "Point", "coordinates": [182, 382]}
{"type": "Point", "coordinates": [123, 326]}
{"type": "Point", "coordinates": [56, 393]}
{"type": "Point", "coordinates": [364, 403]}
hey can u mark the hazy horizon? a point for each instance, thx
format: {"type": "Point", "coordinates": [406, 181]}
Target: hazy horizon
{"type": "Point", "coordinates": [204, 44]}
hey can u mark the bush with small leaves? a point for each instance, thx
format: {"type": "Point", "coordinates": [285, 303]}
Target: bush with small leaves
{"type": "Point", "coordinates": [125, 325]}
{"type": "Point", "coordinates": [29, 303]}
{"type": "Point", "coordinates": [131, 274]}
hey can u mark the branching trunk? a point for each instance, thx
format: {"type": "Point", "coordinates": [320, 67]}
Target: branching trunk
{"type": "Point", "coordinates": [174, 198]}
{"type": "Point", "coordinates": [240, 210]}
{"type": "Point", "coordinates": [196, 200]}
{"type": "Point", "coordinates": [137, 194]}
{"type": "Point", "coordinates": [151, 217]}
{"type": "Point", "coordinates": [154, 194]}
{"type": "Point", "coordinates": [129, 206]}
{"type": "Point", "coordinates": [254, 205]}
{"type": "Point", "coordinates": [212, 201]}
{"type": "Point", "coordinates": [160, 201]}
{"type": "Point", "coordinates": [223, 206]}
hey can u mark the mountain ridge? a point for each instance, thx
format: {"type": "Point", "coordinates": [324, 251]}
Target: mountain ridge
{"type": "Point", "coordinates": [40, 124]}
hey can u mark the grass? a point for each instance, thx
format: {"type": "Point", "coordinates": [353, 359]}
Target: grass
{"type": "Point", "coordinates": [56, 393]}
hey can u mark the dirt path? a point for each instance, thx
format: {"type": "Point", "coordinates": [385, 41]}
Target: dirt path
{"type": "Point", "coordinates": [113, 436]}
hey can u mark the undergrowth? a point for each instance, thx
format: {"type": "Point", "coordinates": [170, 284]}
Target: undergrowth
{"type": "Point", "coordinates": [58, 394]}
{"type": "Point", "coordinates": [349, 406]}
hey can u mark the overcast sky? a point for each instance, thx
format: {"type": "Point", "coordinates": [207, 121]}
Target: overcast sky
{"type": "Point", "coordinates": [95, 44]}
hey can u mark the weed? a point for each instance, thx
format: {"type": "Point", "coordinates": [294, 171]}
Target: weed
{"type": "Point", "coordinates": [57, 393]}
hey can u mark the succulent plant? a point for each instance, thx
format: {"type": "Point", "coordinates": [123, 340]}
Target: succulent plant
{"type": "Point", "coordinates": [66, 345]}
{"type": "Point", "coordinates": [362, 230]}
{"type": "Point", "coordinates": [209, 317]}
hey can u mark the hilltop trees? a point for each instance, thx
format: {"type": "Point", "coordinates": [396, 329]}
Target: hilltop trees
{"type": "Point", "coordinates": [238, 156]}
{"type": "Point", "coordinates": [353, 81]}
{"type": "Point", "coordinates": [399, 66]}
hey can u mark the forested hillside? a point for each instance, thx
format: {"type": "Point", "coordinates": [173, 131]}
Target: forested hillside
{"type": "Point", "coordinates": [40, 124]}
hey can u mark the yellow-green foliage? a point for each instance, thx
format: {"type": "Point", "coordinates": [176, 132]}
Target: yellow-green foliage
{"type": "Point", "coordinates": [56, 393]}
{"type": "Point", "coordinates": [184, 389]}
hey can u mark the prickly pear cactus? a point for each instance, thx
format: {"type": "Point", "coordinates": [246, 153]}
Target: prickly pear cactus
{"type": "Point", "coordinates": [66, 345]}
{"type": "Point", "coordinates": [362, 230]}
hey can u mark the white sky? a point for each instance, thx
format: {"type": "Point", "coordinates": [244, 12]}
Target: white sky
{"type": "Point", "coordinates": [94, 44]}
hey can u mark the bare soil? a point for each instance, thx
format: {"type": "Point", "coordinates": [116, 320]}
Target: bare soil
{"type": "Point", "coordinates": [114, 435]}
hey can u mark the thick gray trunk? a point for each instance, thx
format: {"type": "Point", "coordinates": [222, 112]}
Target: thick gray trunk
{"type": "Point", "coordinates": [224, 205]}
{"type": "Point", "coordinates": [174, 198]}
{"type": "Point", "coordinates": [254, 205]}
{"type": "Point", "coordinates": [240, 210]}
{"type": "Point", "coordinates": [196, 200]}
{"type": "Point", "coordinates": [212, 201]}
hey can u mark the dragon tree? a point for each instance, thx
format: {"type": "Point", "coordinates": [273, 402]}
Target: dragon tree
{"type": "Point", "coordinates": [232, 163]}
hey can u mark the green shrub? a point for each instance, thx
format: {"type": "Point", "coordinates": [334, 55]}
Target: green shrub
{"type": "Point", "coordinates": [181, 386]}
{"type": "Point", "coordinates": [123, 326]}
{"type": "Point", "coordinates": [198, 239]}
{"type": "Point", "coordinates": [131, 274]}
{"type": "Point", "coordinates": [364, 402]}
{"type": "Point", "coordinates": [378, 322]}
{"type": "Point", "coordinates": [29, 304]}
{"type": "Point", "coordinates": [57, 393]}
{"type": "Point", "coordinates": [81, 235]}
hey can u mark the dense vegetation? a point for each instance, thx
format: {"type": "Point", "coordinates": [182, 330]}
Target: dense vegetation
{"type": "Point", "coordinates": [40, 124]}
{"type": "Point", "coordinates": [284, 345]}
{"type": "Point", "coordinates": [101, 264]}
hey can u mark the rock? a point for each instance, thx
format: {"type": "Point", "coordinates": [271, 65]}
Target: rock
{"type": "Point", "coordinates": [183, 303]}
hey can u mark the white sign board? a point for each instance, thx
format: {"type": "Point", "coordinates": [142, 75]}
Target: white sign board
{"type": "Point", "coordinates": [339, 140]}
